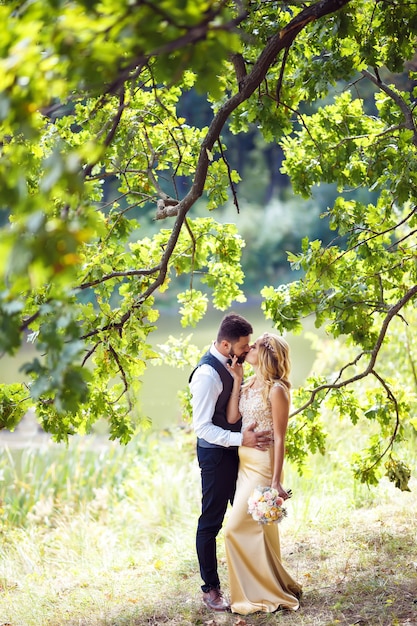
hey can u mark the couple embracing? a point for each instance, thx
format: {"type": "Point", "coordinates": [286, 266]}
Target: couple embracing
{"type": "Point", "coordinates": [240, 432]}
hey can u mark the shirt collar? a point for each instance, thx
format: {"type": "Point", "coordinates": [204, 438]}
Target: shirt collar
{"type": "Point", "coordinates": [223, 359]}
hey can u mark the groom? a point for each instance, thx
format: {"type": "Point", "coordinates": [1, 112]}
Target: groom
{"type": "Point", "coordinates": [217, 444]}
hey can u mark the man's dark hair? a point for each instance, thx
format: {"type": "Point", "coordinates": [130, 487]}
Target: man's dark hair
{"type": "Point", "coordinates": [232, 327]}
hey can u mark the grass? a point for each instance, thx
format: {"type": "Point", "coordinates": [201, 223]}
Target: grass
{"type": "Point", "coordinates": [100, 536]}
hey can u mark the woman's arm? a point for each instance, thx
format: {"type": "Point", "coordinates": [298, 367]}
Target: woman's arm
{"type": "Point", "coordinates": [236, 370]}
{"type": "Point", "coordinates": [280, 405]}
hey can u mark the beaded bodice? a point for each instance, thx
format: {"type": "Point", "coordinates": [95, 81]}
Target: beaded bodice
{"type": "Point", "coordinates": [253, 409]}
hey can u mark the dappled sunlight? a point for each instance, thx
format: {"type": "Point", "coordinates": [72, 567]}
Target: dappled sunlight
{"type": "Point", "coordinates": [110, 538]}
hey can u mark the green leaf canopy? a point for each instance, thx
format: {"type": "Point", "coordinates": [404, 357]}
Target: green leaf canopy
{"type": "Point", "coordinates": [93, 143]}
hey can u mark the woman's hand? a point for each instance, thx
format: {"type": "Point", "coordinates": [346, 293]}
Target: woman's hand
{"type": "Point", "coordinates": [285, 494]}
{"type": "Point", "coordinates": [235, 369]}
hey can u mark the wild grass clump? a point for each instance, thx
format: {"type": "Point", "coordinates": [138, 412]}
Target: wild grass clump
{"type": "Point", "coordinates": [92, 527]}
{"type": "Point", "coordinates": [99, 534]}
{"type": "Point", "coordinates": [41, 485]}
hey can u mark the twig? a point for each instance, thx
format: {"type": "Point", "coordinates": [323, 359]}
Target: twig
{"type": "Point", "coordinates": [229, 173]}
{"type": "Point", "coordinates": [407, 112]}
{"type": "Point", "coordinates": [392, 312]}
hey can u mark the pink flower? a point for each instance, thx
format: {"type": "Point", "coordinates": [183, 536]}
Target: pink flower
{"type": "Point", "coordinates": [265, 505]}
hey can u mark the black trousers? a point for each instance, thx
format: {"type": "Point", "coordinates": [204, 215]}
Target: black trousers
{"type": "Point", "coordinates": [218, 482]}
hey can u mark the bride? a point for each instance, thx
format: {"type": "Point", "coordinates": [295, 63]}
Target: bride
{"type": "Point", "coordinates": [258, 580]}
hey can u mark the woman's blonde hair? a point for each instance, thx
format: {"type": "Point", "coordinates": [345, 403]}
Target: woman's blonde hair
{"type": "Point", "coordinates": [274, 363]}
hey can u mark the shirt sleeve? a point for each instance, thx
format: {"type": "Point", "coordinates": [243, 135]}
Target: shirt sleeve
{"type": "Point", "coordinates": [206, 386]}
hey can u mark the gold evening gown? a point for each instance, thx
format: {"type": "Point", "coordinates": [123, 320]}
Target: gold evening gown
{"type": "Point", "coordinates": [258, 580]}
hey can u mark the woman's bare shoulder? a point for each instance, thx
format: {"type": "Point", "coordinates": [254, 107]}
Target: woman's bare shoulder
{"type": "Point", "coordinates": [279, 390]}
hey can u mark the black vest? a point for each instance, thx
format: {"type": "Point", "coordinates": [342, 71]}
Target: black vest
{"type": "Point", "coordinates": [219, 417]}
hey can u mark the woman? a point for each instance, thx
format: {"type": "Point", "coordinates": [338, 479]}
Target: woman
{"type": "Point", "coordinates": [258, 581]}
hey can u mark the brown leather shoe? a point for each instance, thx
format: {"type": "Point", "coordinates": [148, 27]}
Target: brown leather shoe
{"type": "Point", "coordinates": [214, 600]}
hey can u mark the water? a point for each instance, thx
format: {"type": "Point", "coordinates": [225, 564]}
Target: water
{"type": "Point", "coordinates": [158, 399]}
{"type": "Point", "coordinates": [161, 384]}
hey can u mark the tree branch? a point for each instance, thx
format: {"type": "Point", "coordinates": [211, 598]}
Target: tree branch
{"type": "Point", "coordinates": [116, 121]}
{"type": "Point", "coordinates": [392, 312]}
{"type": "Point", "coordinates": [240, 68]}
{"type": "Point", "coordinates": [229, 174]}
{"type": "Point", "coordinates": [373, 235]}
{"type": "Point", "coordinates": [281, 74]}
{"type": "Point", "coordinates": [192, 36]}
{"type": "Point", "coordinates": [407, 112]}
{"type": "Point", "coordinates": [123, 274]}
{"type": "Point", "coordinates": [123, 375]}
{"type": "Point", "coordinates": [193, 249]}
{"type": "Point", "coordinates": [396, 427]}
{"type": "Point", "coordinates": [281, 40]}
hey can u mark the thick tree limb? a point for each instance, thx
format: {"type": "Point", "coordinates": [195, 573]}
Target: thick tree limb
{"type": "Point", "coordinates": [280, 41]}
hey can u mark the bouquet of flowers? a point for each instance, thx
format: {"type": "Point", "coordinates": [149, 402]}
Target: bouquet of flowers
{"type": "Point", "coordinates": [265, 505]}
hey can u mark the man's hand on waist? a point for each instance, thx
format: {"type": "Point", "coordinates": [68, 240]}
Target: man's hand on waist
{"type": "Point", "coordinates": [261, 439]}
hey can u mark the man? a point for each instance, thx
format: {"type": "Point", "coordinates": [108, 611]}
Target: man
{"type": "Point", "coordinates": [217, 444]}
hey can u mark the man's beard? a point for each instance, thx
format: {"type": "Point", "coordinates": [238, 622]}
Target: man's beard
{"type": "Point", "coordinates": [240, 359]}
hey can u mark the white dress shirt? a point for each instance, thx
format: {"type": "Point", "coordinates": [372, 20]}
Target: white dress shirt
{"type": "Point", "coordinates": [206, 386]}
